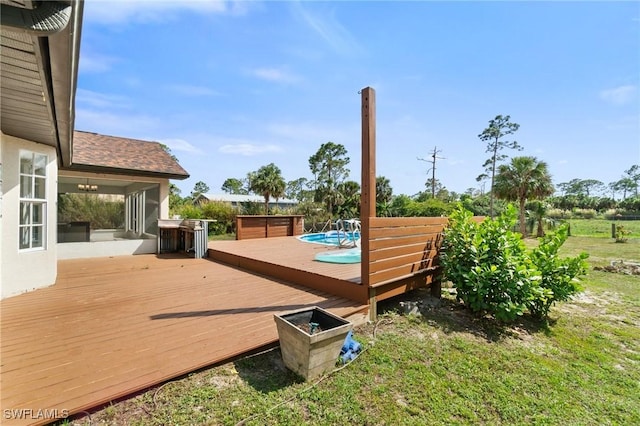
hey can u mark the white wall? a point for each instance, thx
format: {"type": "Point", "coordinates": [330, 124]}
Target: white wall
{"type": "Point", "coordinates": [22, 271]}
{"type": "Point", "coordinates": [107, 248]}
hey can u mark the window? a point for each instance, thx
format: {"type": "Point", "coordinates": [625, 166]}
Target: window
{"type": "Point", "coordinates": [134, 206]}
{"type": "Point", "coordinates": [33, 202]}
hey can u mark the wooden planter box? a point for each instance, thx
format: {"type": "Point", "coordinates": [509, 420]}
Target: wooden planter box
{"type": "Point", "coordinates": [311, 355]}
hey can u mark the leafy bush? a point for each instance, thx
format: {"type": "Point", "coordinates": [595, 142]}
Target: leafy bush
{"type": "Point", "coordinates": [102, 211]}
{"type": "Point", "coordinates": [189, 211]}
{"type": "Point", "coordinates": [559, 214]}
{"type": "Point", "coordinates": [494, 273]}
{"type": "Point", "coordinates": [631, 205]}
{"type": "Point", "coordinates": [584, 213]}
{"type": "Point", "coordinates": [222, 212]}
{"type": "Point", "coordinates": [559, 280]}
{"type": "Point", "coordinates": [315, 216]}
{"type": "Point", "coordinates": [253, 208]}
{"type": "Point", "coordinates": [432, 207]}
{"type": "Point", "coordinates": [487, 264]}
{"type": "Point", "coordinates": [622, 234]}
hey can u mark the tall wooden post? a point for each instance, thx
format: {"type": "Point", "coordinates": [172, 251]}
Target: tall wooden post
{"type": "Point", "coordinates": [368, 185]}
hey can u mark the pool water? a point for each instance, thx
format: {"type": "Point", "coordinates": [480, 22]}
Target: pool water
{"type": "Point", "coordinates": [340, 256]}
{"type": "Point", "coordinates": [331, 238]}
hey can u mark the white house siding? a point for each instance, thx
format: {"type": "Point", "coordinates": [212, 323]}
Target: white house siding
{"type": "Point", "coordinates": [21, 271]}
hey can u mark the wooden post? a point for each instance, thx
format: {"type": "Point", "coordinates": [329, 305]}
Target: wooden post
{"type": "Point", "coordinates": [238, 228]}
{"type": "Point", "coordinates": [368, 184]}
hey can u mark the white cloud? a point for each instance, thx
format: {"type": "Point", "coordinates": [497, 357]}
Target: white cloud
{"type": "Point", "coordinates": [180, 145]}
{"type": "Point", "coordinates": [277, 75]}
{"type": "Point", "coordinates": [155, 11]}
{"type": "Point", "coordinates": [101, 100]}
{"type": "Point", "coordinates": [248, 149]}
{"type": "Point", "coordinates": [329, 29]}
{"type": "Point", "coordinates": [96, 63]}
{"type": "Point", "coordinates": [108, 123]}
{"type": "Point", "coordinates": [189, 90]}
{"type": "Point", "coordinates": [305, 131]}
{"type": "Point", "coordinates": [621, 95]}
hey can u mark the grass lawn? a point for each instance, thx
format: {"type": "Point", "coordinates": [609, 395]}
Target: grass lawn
{"type": "Point", "coordinates": [222, 237]}
{"type": "Point", "coordinates": [443, 367]}
{"type": "Point", "coordinates": [602, 228]}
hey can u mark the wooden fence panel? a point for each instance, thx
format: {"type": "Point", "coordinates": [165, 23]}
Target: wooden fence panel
{"type": "Point", "coordinates": [260, 226]}
{"type": "Point", "coordinates": [402, 247]}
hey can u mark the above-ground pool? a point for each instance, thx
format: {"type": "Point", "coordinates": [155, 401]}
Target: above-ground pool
{"type": "Point", "coordinates": [331, 238]}
{"type": "Point", "coordinates": [340, 256]}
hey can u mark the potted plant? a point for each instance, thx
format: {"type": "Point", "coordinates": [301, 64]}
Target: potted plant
{"type": "Point", "coordinates": [311, 340]}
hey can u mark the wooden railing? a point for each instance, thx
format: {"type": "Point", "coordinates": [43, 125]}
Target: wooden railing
{"type": "Point", "coordinates": [402, 247]}
{"type": "Point", "coordinates": [400, 254]}
{"type": "Point", "coordinates": [248, 227]}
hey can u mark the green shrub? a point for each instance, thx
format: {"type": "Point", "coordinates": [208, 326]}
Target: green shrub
{"type": "Point", "coordinates": [222, 212]}
{"type": "Point", "coordinates": [432, 207]}
{"type": "Point", "coordinates": [559, 214]}
{"type": "Point", "coordinates": [558, 275]}
{"type": "Point", "coordinates": [253, 208]}
{"type": "Point", "coordinates": [487, 264]}
{"type": "Point", "coordinates": [189, 211]}
{"type": "Point", "coordinates": [102, 211]}
{"type": "Point", "coordinates": [315, 216]}
{"type": "Point", "coordinates": [622, 234]}
{"type": "Point", "coordinates": [494, 273]}
{"type": "Point", "coordinates": [584, 213]}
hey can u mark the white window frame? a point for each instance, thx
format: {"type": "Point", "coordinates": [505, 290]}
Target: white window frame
{"type": "Point", "coordinates": [32, 210]}
{"type": "Point", "coordinates": [134, 211]}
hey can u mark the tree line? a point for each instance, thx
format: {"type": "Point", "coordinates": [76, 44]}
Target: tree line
{"type": "Point", "coordinates": [523, 180]}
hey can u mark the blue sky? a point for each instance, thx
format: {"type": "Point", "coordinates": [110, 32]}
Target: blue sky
{"type": "Point", "coordinates": [233, 86]}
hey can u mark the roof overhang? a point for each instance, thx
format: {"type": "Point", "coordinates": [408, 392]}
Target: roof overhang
{"type": "Point", "coordinates": [118, 171]}
{"type": "Point", "coordinates": [39, 71]}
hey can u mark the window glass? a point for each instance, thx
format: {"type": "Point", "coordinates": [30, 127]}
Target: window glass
{"type": "Point", "coordinates": [25, 213]}
{"type": "Point", "coordinates": [33, 207]}
{"type": "Point", "coordinates": [37, 236]}
{"type": "Point", "coordinates": [39, 188]}
{"type": "Point", "coordinates": [37, 215]}
{"type": "Point", "coordinates": [25, 238]}
{"type": "Point", "coordinates": [26, 162]}
{"type": "Point", "coordinates": [40, 165]}
{"type": "Point", "coordinates": [25, 187]}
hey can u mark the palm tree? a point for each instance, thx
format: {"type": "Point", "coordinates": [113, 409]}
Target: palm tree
{"type": "Point", "coordinates": [537, 212]}
{"type": "Point", "coordinates": [268, 182]}
{"type": "Point", "coordinates": [525, 178]}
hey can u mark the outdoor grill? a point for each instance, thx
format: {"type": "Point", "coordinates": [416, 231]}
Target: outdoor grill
{"type": "Point", "coordinates": [187, 236]}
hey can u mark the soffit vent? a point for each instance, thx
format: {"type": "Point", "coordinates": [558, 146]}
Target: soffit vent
{"type": "Point", "coordinates": [46, 19]}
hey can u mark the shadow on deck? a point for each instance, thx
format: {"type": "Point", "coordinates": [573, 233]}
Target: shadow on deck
{"type": "Point", "coordinates": [110, 327]}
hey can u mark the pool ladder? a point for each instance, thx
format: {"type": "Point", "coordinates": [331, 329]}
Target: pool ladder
{"type": "Point", "coordinates": [346, 228]}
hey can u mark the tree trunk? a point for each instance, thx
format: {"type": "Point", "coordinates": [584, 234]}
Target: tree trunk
{"type": "Point", "coordinates": [493, 177]}
{"type": "Point", "coordinates": [540, 232]}
{"type": "Point", "coordinates": [523, 223]}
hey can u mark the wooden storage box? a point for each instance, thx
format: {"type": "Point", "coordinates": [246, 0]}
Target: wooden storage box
{"type": "Point", "coordinates": [311, 355]}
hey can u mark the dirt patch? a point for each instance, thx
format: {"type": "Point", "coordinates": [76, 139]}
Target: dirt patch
{"type": "Point", "coordinates": [620, 267]}
{"type": "Point", "coordinates": [310, 328]}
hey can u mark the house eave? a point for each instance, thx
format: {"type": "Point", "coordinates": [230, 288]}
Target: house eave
{"type": "Point", "coordinates": [39, 76]}
{"type": "Point", "coordinates": [127, 172]}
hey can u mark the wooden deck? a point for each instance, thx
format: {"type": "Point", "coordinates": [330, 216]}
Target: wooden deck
{"type": "Point", "coordinates": [113, 326]}
{"type": "Point", "coordinates": [290, 259]}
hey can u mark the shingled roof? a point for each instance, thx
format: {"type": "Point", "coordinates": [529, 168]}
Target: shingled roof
{"type": "Point", "coordinates": [110, 154]}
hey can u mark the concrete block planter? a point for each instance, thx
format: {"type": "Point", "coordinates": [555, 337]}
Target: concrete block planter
{"type": "Point", "coordinates": [310, 340]}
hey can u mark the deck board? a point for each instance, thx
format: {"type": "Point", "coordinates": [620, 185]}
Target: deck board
{"type": "Point", "coordinates": [113, 326]}
{"type": "Point", "coordinates": [290, 259]}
